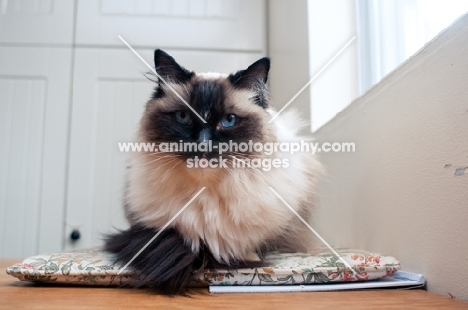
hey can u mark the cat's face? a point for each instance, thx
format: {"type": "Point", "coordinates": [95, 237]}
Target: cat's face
{"type": "Point", "coordinates": [233, 106]}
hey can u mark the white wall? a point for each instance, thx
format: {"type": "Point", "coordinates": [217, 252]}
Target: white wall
{"type": "Point", "coordinates": [288, 47]}
{"type": "Point", "coordinates": [332, 24]}
{"type": "Point", "coordinates": [400, 193]}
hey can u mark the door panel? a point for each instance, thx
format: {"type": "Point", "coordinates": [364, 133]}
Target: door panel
{"type": "Point", "coordinates": [36, 21]}
{"type": "Point", "coordinates": [34, 100]}
{"type": "Point", "coordinates": [190, 24]}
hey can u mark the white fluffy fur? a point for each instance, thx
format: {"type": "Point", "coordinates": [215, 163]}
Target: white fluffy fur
{"type": "Point", "coordinates": [237, 211]}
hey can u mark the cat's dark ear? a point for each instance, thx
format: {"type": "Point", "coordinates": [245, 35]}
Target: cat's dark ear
{"type": "Point", "coordinates": [254, 78]}
{"type": "Point", "coordinates": [256, 73]}
{"type": "Point", "coordinates": [169, 69]}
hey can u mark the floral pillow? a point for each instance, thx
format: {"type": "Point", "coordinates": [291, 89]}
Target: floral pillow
{"type": "Point", "coordinates": [96, 268]}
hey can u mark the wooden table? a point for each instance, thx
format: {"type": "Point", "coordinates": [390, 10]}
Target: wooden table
{"type": "Point", "coordinates": [15, 294]}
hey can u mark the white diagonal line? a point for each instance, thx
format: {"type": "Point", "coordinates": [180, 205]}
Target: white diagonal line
{"type": "Point", "coordinates": [161, 230]}
{"type": "Point", "coordinates": [313, 78]}
{"type": "Point", "coordinates": [313, 230]}
{"type": "Point", "coordinates": [159, 77]}
{"type": "Point", "coordinates": [304, 221]}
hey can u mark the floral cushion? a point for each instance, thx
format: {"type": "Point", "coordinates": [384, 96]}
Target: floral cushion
{"type": "Point", "coordinates": [95, 268]}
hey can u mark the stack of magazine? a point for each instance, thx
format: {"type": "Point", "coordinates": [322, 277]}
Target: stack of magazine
{"type": "Point", "coordinates": [401, 279]}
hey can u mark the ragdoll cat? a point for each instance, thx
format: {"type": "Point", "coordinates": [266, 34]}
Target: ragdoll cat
{"type": "Point", "coordinates": [237, 218]}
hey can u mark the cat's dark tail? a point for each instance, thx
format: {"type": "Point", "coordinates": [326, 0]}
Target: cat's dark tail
{"type": "Point", "coordinates": [167, 264]}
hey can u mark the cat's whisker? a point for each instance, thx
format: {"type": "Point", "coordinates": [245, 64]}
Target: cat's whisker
{"type": "Point", "coordinates": [175, 165]}
{"type": "Point", "coordinates": [154, 152]}
{"type": "Point", "coordinates": [163, 176]}
{"type": "Point", "coordinates": [158, 153]}
{"type": "Point", "coordinates": [249, 155]}
{"type": "Point", "coordinates": [250, 166]}
{"type": "Point", "coordinates": [156, 160]}
{"type": "Point", "coordinates": [263, 177]}
{"type": "Point", "coordinates": [232, 173]}
{"type": "Point", "coordinates": [165, 172]}
{"type": "Point", "coordinates": [170, 161]}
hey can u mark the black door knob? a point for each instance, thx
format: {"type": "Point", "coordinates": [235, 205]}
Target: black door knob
{"type": "Point", "coordinates": [75, 234]}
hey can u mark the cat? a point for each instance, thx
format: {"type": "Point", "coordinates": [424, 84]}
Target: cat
{"type": "Point", "coordinates": [237, 218]}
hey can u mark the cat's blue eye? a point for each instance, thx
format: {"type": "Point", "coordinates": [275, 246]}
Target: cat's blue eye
{"type": "Point", "coordinates": [228, 120]}
{"type": "Point", "coordinates": [182, 117]}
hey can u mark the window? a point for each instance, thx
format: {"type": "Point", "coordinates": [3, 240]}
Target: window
{"type": "Point", "coordinates": [391, 31]}
{"type": "Point", "coordinates": [388, 32]}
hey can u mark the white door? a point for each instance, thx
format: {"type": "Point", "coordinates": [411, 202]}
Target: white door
{"type": "Point", "coordinates": [36, 21]}
{"type": "Point", "coordinates": [109, 95]}
{"type": "Point", "coordinates": [34, 105]}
